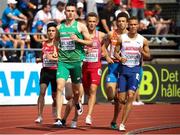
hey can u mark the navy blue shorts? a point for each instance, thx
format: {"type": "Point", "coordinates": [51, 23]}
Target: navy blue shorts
{"type": "Point", "coordinates": [128, 81]}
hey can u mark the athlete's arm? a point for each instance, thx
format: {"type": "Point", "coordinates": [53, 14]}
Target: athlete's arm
{"type": "Point", "coordinates": [117, 51]}
{"type": "Point", "coordinates": [105, 43]}
{"type": "Point", "coordinates": [82, 29]}
{"type": "Point", "coordinates": [145, 50]}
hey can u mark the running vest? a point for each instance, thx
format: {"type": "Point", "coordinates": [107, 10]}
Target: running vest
{"type": "Point", "coordinates": [69, 50]}
{"type": "Point", "coordinates": [93, 53]}
{"type": "Point", "coordinates": [46, 49]}
{"type": "Point", "coordinates": [130, 50]}
{"type": "Point", "coordinates": [112, 45]}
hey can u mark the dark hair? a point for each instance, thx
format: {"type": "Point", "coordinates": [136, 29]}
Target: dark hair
{"type": "Point", "coordinates": [92, 14]}
{"type": "Point", "coordinates": [71, 4]}
{"type": "Point", "coordinates": [122, 14]}
{"type": "Point", "coordinates": [60, 4]}
{"type": "Point", "coordinates": [133, 18]}
{"type": "Point", "coordinates": [21, 23]}
{"type": "Point", "coordinates": [51, 24]}
{"type": "Point", "coordinates": [45, 5]}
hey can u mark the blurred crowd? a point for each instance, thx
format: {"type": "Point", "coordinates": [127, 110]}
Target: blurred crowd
{"type": "Point", "coordinates": [22, 17]}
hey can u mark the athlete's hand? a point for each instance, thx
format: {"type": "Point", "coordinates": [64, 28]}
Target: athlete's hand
{"type": "Point", "coordinates": [54, 55]}
{"type": "Point", "coordinates": [38, 60]}
{"type": "Point", "coordinates": [109, 60]}
{"type": "Point", "coordinates": [123, 60]}
{"type": "Point", "coordinates": [74, 37]}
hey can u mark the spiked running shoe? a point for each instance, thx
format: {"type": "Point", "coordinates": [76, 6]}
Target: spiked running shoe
{"type": "Point", "coordinates": [39, 120]}
{"type": "Point", "coordinates": [114, 125]}
{"type": "Point", "coordinates": [122, 127]}
{"type": "Point", "coordinates": [58, 123]}
{"type": "Point", "coordinates": [74, 124]}
{"type": "Point", "coordinates": [79, 108]}
{"type": "Point", "coordinates": [88, 120]}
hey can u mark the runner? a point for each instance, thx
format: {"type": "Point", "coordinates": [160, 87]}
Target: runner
{"type": "Point", "coordinates": [132, 46]}
{"type": "Point", "coordinates": [92, 64]}
{"type": "Point", "coordinates": [113, 63]}
{"type": "Point", "coordinates": [73, 36]}
{"type": "Point", "coordinates": [48, 71]}
{"type": "Point", "coordinates": [91, 70]}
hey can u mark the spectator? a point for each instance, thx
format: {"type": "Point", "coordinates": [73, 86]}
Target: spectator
{"type": "Point", "coordinates": [37, 39]}
{"type": "Point", "coordinates": [137, 8]}
{"type": "Point", "coordinates": [161, 25]}
{"type": "Point", "coordinates": [106, 17]}
{"type": "Point", "coordinates": [43, 15]}
{"type": "Point", "coordinates": [58, 12]}
{"type": "Point", "coordinates": [121, 8]}
{"type": "Point", "coordinates": [91, 6]}
{"type": "Point", "coordinates": [22, 29]}
{"type": "Point", "coordinates": [80, 12]}
{"type": "Point", "coordinates": [11, 15]}
{"type": "Point", "coordinates": [27, 8]}
{"type": "Point", "coordinates": [18, 42]}
{"type": "Point", "coordinates": [4, 43]}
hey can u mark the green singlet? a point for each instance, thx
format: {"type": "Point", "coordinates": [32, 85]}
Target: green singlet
{"type": "Point", "coordinates": [69, 50]}
{"type": "Point", "coordinates": [70, 54]}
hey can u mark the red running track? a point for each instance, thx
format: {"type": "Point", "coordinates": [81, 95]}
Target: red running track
{"type": "Point", "coordinates": [145, 119]}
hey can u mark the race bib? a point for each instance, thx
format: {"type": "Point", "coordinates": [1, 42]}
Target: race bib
{"type": "Point", "coordinates": [49, 63]}
{"type": "Point", "coordinates": [67, 44]}
{"type": "Point", "coordinates": [132, 60]}
{"type": "Point", "coordinates": [91, 55]}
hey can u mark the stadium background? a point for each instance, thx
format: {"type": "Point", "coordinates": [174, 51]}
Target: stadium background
{"type": "Point", "coordinates": [160, 83]}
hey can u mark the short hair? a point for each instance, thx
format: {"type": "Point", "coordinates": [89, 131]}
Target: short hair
{"type": "Point", "coordinates": [122, 14]}
{"type": "Point", "coordinates": [133, 18]}
{"type": "Point", "coordinates": [71, 4]}
{"type": "Point", "coordinates": [60, 3]}
{"type": "Point", "coordinates": [92, 14]}
{"type": "Point", "coordinates": [51, 24]}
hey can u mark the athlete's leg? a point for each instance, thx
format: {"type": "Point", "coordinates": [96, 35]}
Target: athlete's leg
{"type": "Point", "coordinates": [40, 103]}
{"type": "Point", "coordinates": [128, 106]}
{"type": "Point", "coordinates": [111, 90]}
{"type": "Point", "coordinates": [131, 85]}
{"type": "Point", "coordinates": [59, 98]}
{"type": "Point", "coordinates": [70, 103]}
{"type": "Point", "coordinates": [61, 75]}
{"type": "Point", "coordinates": [75, 119]}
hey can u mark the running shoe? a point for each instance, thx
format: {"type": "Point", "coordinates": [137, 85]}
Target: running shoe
{"type": "Point", "coordinates": [74, 124]}
{"type": "Point", "coordinates": [39, 120]}
{"type": "Point", "coordinates": [63, 122]}
{"type": "Point", "coordinates": [114, 125]}
{"type": "Point", "coordinates": [122, 127]}
{"type": "Point", "coordinates": [88, 120]}
{"type": "Point", "coordinates": [58, 123]}
{"type": "Point", "coordinates": [79, 108]}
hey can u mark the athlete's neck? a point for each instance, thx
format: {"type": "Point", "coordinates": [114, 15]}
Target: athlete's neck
{"type": "Point", "coordinates": [69, 22]}
{"type": "Point", "coordinates": [92, 33]}
{"type": "Point", "coordinates": [132, 35]}
{"type": "Point", "coordinates": [50, 42]}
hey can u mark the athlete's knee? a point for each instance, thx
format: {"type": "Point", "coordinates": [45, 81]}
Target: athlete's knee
{"type": "Point", "coordinates": [130, 96]}
{"type": "Point", "coordinates": [110, 97]}
{"type": "Point", "coordinates": [122, 100]}
{"type": "Point", "coordinates": [69, 97]}
{"type": "Point", "coordinates": [60, 88]}
{"type": "Point", "coordinates": [42, 93]}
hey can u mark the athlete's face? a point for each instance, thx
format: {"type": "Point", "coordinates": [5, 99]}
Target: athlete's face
{"type": "Point", "coordinates": [121, 23]}
{"type": "Point", "coordinates": [133, 26]}
{"type": "Point", "coordinates": [51, 32]}
{"type": "Point", "coordinates": [70, 12]}
{"type": "Point", "coordinates": [92, 22]}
